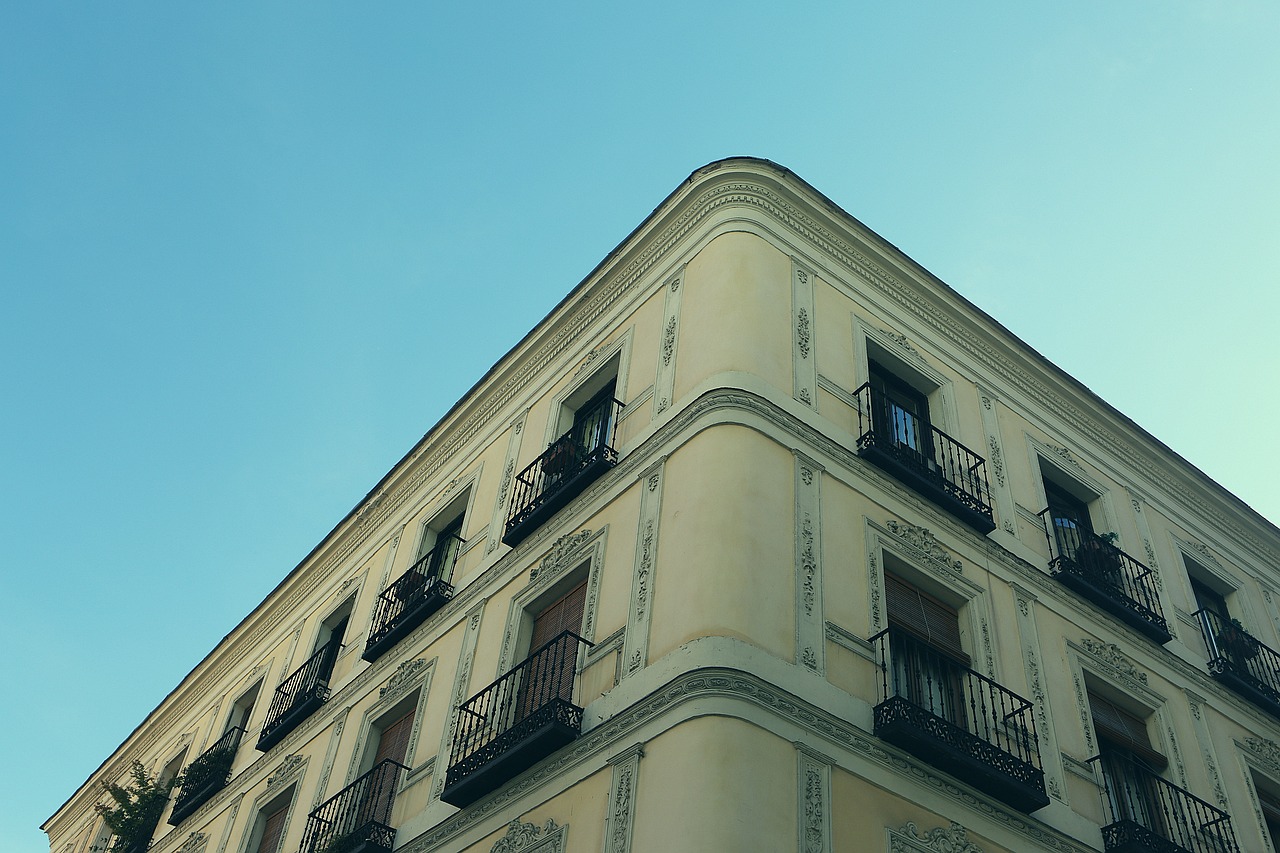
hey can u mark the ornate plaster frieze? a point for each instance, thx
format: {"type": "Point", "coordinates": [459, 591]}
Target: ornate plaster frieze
{"type": "Point", "coordinates": [564, 551]}
{"type": "Point", "coordinates": [1265, 750]}
{"type": "Point", "coordinates": [803, 367]}
{"type": "Point", "coordinates": [530, 838]}
{"type": "Point", "coordinates": [810, 624]}
{"type": "Point", "coordinates": [813, 775]}
{"type": "Point", "coordinates": [291, 768]}
{"type": "Point", "coordinates": [950, 839]}
{"type": "Point", "coordinates": [923, 541]}
{"type": "Point", "coordinates": [1114, 659]}
{"type": "Point", "coordinates": [402, 679]}
{"type": "Point", "coordinates": [196, 843]}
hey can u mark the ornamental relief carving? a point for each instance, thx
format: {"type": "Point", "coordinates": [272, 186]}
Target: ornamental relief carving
{"type": "Point", "coordinates": [402, 678]}
{"type": "Point", "coordinates": [951, 839]}
{"type": "Point", "coordinates": [527, 837]}
{"type": "Point", "coordinates": [926, 543]}
{"type": "Point", "coordinates": [289, 769]}
{"type": "Point", "coordinates": [1267, 750]}
{"type": "Point", "coordinates": [803, 333]}
{"type": "Point", "coordinates": [1112, 655]}
{"type": "Point", "coordinates": [563, 552]}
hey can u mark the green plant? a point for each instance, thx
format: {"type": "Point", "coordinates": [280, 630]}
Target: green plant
{"type": "Point", "coordinates": [135, 809]}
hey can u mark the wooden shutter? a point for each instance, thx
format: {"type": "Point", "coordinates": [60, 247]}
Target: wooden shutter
{"type": "Point", "coordinates": [933, 621]}
{"type": "Point", "coordinates": [563, 615]}
{"type": "Point", "coordinates": [394, 743]}
{"type": "Point", "coordinates": [1270, 811]}
{"type": "Point", "coordinates": [1119, 728]}
{"type": "Point", "coordinates": [272, 831]}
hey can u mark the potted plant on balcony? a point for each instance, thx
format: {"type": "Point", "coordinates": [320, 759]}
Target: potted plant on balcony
{"type": "Point", "coordinates": [558, 458]}
{"type": "Point", "coordinates": [136, 810]}
{"type": "Point", "coordinates": [1237, 643]}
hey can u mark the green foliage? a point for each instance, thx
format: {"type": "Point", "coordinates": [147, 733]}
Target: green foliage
{"type": "Point", "coordinates": [136, 809]}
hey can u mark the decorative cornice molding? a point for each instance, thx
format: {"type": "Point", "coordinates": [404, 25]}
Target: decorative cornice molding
{"type": "Point", "coordinates": [834, 732]}
{"type": "Point", "coordinates": [1264, 749]}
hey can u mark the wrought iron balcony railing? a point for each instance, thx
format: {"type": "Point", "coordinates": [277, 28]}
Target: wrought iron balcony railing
{"type": "Point", "coordinates": [934, 463]}
{"type": "Point", "coordinates": [570, 464]}
{"type": "Point", "coordinates": [1102, 573]}
{"type": "Point", "coordinates": [958, 720]}
{"type": "Point", "coordinates": [1241, 661]}
{"type": "Point", "coordinates": [1149, 814]}
{"type": "Point", "coordinates": [414, 596]}
{"type": "Point", "coordinates": [357, 819]}
{"type": "Point", "coordinates": [205, 776]}
{"type": "Point", "coordinates": [515, 722]}
{"type": "Point", "coordinates": [300, 695]}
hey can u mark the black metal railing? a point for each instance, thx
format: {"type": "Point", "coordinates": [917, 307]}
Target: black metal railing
{"type": "Point", "coordinates": [569, 465]}
{"type": "Point", "coordinates": [412, 597]}
{"type": "Point", "coordinates": [516, 721]}
{"type": "Point", "coordinates": [1148, 813]}
{"type": "Point", "coordinates": [928, 459]}
{"type": "Point", "coordinates": [357, 818]}
{"type": "Point", "coordinates": [206, 775]}
{"type": "Point", "coordinates": [1101, 572]}
{"type": "Point", "coordinates": [942, 711]}
{"type": "Point", "coordinates": [1241, 661]}
{"type": "Point", "coordinates": [300, 694]}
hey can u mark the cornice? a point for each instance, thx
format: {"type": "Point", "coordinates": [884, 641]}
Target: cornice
{"type": "Point", "coordinates": [739, 686]}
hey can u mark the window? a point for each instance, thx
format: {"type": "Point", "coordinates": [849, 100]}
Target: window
{"type": "Point", "coordinates": [927, 659]}
{"type": "Point", "coordinates": [242, 709]}
{"type": "Point", "coordinates": [1130, 766]}
{"type": "Point", "coordinates": [270, 832]}
{"type": "Point", "coordinates": [1069, 512]}
{"type": "Point", "coordinates": [1269, 801]}
{"type": "Point", "coordinates": [441, 542]}
{"type": "Point", "coordinates": [902, 412]}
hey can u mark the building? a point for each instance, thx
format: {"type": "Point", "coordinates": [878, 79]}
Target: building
{"type": "Point", "coordinates": [763, 540]}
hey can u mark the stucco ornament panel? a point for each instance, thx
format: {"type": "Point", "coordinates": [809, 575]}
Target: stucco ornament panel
{"type": "Point", "coordinates": [1267, 750]}
{"type": "Point", "coordinates": [563, 551]}
{"type": "Point", "coordinates": [951, 839]}
{"type": "Point", "coordinates": [530, 838]}
{"type": "Point", "coordinates": [195, 843]}
{"type": "Point", "coordinates": [289, 769]}
{"type": "Point", "coordinates": [925, 542]}
{"type": "Point", "coordinates": [402, 678]}
{"type": "Point", "coordinates": [1112, 655]}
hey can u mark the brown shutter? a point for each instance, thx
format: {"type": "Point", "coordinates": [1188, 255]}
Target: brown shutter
{"type": "Point", "coordinates": [272, 830]}
{"type": "Point", "coordinates": [394, 743]}
{"type": "Point", "coordinates": [1124, 730]}
{"type": "Point", "coordinates": [563, 615]}
{"type": "Point", "coordinates": [933, 621]}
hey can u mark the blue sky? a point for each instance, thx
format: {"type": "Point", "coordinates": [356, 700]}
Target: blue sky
{"type": "Point", "coordinates": [245, 250]}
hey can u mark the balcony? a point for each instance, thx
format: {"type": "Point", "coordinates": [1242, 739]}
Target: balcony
{"type": "Point", "coordinates": [570, 464]}
{"type": "Point", "coordinates": [1149, 814]}
{"type": "Point", "coordinates": [958, 720]}
{"type": "Point", "coordinates": [206, 776]}
{"type": "Point", "coordinates": [1241, 661]}
{"type": "Point", "coordinates": [515, 722]}
{"type": "Point", "coordinates": [300, 695]}
{"type": "Point", "coordinates": [933, 463]}
{"type": "Point", "coordinates": [1107, 576]}
{"type": "Point", "coordinates": [357, 819]}
{"type": "Point", "coordinates": [407, 602]}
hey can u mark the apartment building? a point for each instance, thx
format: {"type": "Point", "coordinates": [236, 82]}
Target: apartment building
{"type": "Point", "coordinates": [764, 539]}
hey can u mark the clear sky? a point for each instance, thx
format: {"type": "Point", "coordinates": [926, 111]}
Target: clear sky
{"type": "Point", "coordinates": [249, 253]}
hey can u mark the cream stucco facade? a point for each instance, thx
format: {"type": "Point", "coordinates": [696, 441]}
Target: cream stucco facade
{"type": "Point", "coordinates": [737, 562]}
